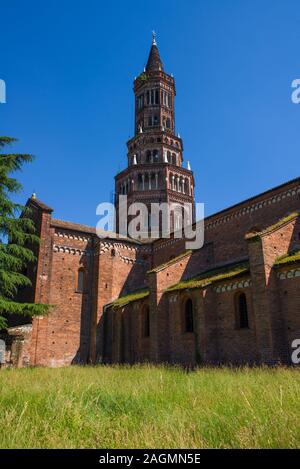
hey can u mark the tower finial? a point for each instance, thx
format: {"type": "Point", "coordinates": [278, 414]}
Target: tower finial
{"type": "Point", "coordinates": [154, 38]}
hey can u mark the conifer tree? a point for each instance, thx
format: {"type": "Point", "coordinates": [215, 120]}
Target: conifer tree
{"type": "Point", "coordinates": [17, 236]}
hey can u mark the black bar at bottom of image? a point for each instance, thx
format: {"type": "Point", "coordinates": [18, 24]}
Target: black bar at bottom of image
{"type": "Point", "coordinates": [136, 457]}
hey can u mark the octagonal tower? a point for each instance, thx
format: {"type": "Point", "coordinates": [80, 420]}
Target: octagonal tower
{"type": "Point", "coordinates": [155, 171]}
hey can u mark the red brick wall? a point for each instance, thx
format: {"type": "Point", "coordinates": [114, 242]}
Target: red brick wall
{"type": "Point", "coordinates": [272, 311]}
{"type": "Point", "coordinates": [263, 252]}
{"type": "Point", "coordinates": [216, 337]}
{"type": "Point", "coordinates": [42, 288]}
{"type": "Point", "coordinates": [127, 343]}
{"type": "Point", "coordinates": [121, 268]}
{"type": "Point", "coordinates": [289, 290]}
{"type": "Point", "coordinates": [63, 337]}
{"type": "Point", "coordinates": [225, 231]}
{"type": "Point", "coordinates": [73, 332]}
{"type": "Point", "coordinates": [77, 331]}
{"type": "Point", "coordinates": [158, 281]}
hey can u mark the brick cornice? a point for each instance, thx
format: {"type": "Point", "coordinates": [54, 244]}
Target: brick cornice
{"type": "Point", "coordinates": [243, 209]}
{"type": "Point", "coordinates": [152, 167]}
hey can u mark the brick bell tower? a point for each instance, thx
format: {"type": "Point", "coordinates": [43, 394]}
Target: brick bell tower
{"type": "Point", "coordinates": [155, 153]}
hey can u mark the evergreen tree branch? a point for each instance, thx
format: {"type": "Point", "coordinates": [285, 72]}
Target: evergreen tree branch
{"type": "Point", "coordinates": [17, 239]}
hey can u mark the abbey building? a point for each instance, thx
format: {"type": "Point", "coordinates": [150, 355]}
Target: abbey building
{"type": "Point", "coordinates": [122, 300]}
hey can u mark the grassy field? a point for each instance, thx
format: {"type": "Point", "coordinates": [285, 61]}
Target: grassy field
{"type": "Point", "coordinates": [144, 406]}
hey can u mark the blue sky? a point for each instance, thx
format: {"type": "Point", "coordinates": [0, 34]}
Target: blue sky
{"type": "Point", "coordinates": [69, 69]}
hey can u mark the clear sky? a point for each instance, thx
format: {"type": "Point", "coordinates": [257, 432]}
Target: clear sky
{"type": "Point", "coordinates": [69, 68]}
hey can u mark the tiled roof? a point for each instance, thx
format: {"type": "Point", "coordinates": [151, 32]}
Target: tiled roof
{"type": "Point", "coordinates": [91, 230]}
{"type": "Point", "coordinates": [39, 203]}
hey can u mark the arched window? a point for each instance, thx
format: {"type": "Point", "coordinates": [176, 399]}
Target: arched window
{"type": "Point", "coordinates": [187, 186]}
{"type": "Point", "coordinates": [149, 221]}
{"type": "Point", "coordinates": [80, 278]}
{"type": "Point", "coordinates": [152, 97]}
{"type": "Point", "coordinates": [148, 157]}
{"type": "Point", "coordinates": [188, 316]}
{"type": "Point", "coordinates": [140, 182]}
{"type": "Point", "coordinates": [146, 323]}
{"type": "Point", "coordinates": [140, 101]}
{"type": "Point", "coordinates": [241, 311]}
{"type": "Point", "coordinates": [187, 214]}
{"type": "Point", "coordinates": [178, 219]}
{"type": "Point", "coordinates": [152, 181]}
{"type": "Point", "coordinates": [156, 96]}
{"type": "Point", "coordinates": [155, 156]}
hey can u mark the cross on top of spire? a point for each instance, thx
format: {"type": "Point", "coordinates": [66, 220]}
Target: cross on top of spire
{"type": "Point", "coordinates": [154, 38]}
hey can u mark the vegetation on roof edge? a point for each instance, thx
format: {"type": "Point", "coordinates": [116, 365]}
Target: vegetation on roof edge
{"type": "Point", "coordinates": [205, 279]}
{"type": "Point", "coordinates": [130, 298]}
{"type": "Point", "coordinates": [291, 258]}
{"type": "Point", "coordinates": [143, 76]}
{"type": "Point", "coordinates": [282, 221]}
{"type": "Point", "coordinates": [213, 276]}
{"type": "Point", "coordinates": [170, 262]}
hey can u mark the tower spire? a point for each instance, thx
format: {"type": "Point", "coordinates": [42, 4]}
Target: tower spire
{"type": "Point", "coordinates": [154, 61]}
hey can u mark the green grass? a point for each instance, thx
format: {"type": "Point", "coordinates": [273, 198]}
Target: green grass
{"type": "Point", "coordinates": [145, 406]}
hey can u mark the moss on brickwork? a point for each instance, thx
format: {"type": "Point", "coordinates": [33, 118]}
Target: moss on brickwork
{"type": "Point", "coordinates": [275, 226]}
{"type": "Point", "coordinates": [290, 258]}
{"type": "Point", "coordinates": [170, 262]}
{"type": "Point", "coordinates": [213, 276]}
{"type": "Point", "coordinates": [130, 298]}
{"type": "Point", "coordinates": [143, 76]}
